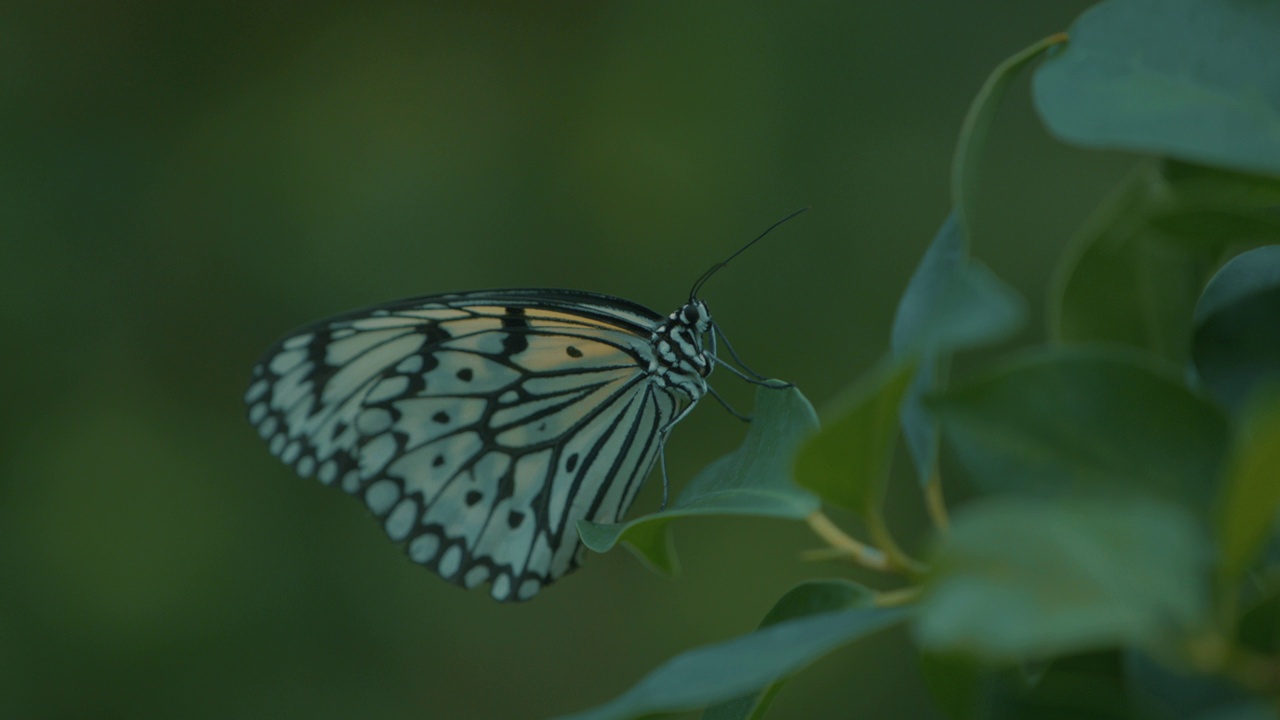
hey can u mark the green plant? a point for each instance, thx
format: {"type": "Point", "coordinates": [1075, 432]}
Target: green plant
{"type": "Point", "coordinates": [1125, 534]}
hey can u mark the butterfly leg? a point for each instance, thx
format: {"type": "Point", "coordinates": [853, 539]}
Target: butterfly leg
{"type": "Point", "coordinates": [725, 404]}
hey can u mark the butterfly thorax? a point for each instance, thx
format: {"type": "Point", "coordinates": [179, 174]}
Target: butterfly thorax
{"type": "Point", "coordinates": [680, 360]}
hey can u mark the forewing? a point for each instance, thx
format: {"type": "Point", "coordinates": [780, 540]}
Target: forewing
{"type": "Point", "coordinates": [478, 428]}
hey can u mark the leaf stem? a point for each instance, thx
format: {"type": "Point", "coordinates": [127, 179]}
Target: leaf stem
{"type": "Point", "coordinates": [860, 553]}
{"type": "Point", "coordinates": [935, 504]}
{"type": "Point", "coordinates": [901, 596]}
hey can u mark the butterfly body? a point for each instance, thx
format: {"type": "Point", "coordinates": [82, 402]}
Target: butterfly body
{"type": "Point", "coordinates": [480, 427]}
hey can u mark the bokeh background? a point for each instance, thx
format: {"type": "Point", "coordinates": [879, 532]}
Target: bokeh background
{"type": "Point", "coordinates": [182, 183]}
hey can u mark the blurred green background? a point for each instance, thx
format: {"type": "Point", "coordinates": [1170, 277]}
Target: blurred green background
{"type": "Point", "coordinates": [182, 183]}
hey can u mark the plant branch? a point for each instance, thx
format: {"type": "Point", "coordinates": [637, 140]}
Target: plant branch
{"type": "Point", "coordinates": [860, 553]}
{"type": "Point", "coordinates": [935, 504]}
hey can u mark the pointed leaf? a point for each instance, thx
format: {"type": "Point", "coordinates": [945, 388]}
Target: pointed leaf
{"type": "Point", "coordinates": [1063, 419]}
{"type": "Point", "coordinates": [755, 479]}
{"type": "Point", "coordinates": [1250, 500]}
{"type": "Point", "coordinates": [808, 598]}
{"type": "Point", "coordinates": [1125, 280]}
{"type": "Point", "coordinates": [847, 462]}
{"type": "Point", "coordinates": [1185, 78]}
{"type": "Point", "coordinates": [1026, 578]}
{"type": "Point", "coordinates": [1237, 346]}
{"type": "Point", "coordinates": [726, 670]}
{"type": "Point", "coordinates": [950, 303]}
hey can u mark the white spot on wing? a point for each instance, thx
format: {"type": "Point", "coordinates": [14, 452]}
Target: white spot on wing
{"type": "Point", "coordinates": [372, 421]}
{"type": "Point", "coordinates": [375, 455]}
{"type": "Point", "coordinates": [298, 341]}
{"type": "Point", "coordinates": [257, 412]}
{"type": "Point", "coordinates": [388, 388]}
{"type": "Point", "coordinates": [256, 391]}
{"type": "Point", "coordinates": [287, 360]}
{"type": "Point", "coordinates": [501, 587]}
{"type": "Point", "coordinates": [475, 576]}
{"type": "Point", "coordinates": [410, 365]}
{"type": "Point", "coordinates": [328, 472]}
{"type": "Point", "coordinates": [267, 428]}
{"type": "Point", "coordinates": [423, 548]}
{"type": "Point", "coordinates": [381, 496]}
{"type": "Point", "coordinates": [450, 562]}
{"type": "Point", "coordinates": [528, 589]}
{"type": "Point", "coordinates": [401, 519]}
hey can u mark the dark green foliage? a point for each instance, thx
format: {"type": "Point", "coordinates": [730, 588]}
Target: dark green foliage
{"type": "Point", "coordinates": [1119, 561]}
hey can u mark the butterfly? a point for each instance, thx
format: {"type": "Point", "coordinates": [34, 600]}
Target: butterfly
{"type": "Point", "coordinates": [480, 427]}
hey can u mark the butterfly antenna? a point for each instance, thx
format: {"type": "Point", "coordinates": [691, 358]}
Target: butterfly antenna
{"type": "Point", "coordinates": [714, 268]}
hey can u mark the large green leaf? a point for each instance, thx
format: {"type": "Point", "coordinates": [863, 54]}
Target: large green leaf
{"type": "Point", "coordinates": [755, 479]}
{"type": "Point", "coordinates": [1025, 577]}
{"type": "Point", "coordinates": [808, 598]}
{"type": "Point", "coordinates": [1168, 693]}
{"type": "Point", "coordinates": [1134, 270]}
{"type": "Point", "coordinates": [1063, 419]}
{"type": "Point", "coordinates": [1250, 499]}
{"type": "Point", "coordinates": [847, 463]}
{"type": "Point", "coordinates": [1237, 334]}
{"type": "Point", "coordinates": [1185, 78]}
{"type": "Point", "coordinates": [950, 303]}
{"type": "Point", "coordinates": [730, 669]}
{"type": "Point", "coordinates": [1128, 280]}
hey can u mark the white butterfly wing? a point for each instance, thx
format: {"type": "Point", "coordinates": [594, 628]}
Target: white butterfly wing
{"type": "Point", "coordinates": [478, 427]}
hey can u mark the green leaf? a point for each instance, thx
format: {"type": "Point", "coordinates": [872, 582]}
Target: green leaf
{"type": "Point", "coordinates": [1258, 628]}
{"type": "Point", "coordinates": [847, 462]}
{"type": "Point", "coordinates": [1185, 78]}
{"type": "Point", "coordinates": [1168, 693]}
{"type": "Point", "coordinates": [1237, 345]}
{"type": "Point", "coordinates": [808, 598]}
{"type": "Point", "coordinates": [1125, 279]}
{"type": "Point", "coordinates": [730, 669]}
{"type": "Point", "coordinates": [950, 303]}
{"type": "Point", "coordinates": [755, 480]}
{"type": "Point", "coordinates": [977, 128]}
{"type": "Point", "coordinates": [1032, 578]}
{"type": "Point", "coordinates": [956, 682]}
{"type": "Point", "coordinates": [1063, 419]}
{"type": "Point", "coordinates": [1254, 709]}
{"type": "Point", "coordinates": [1217, 206]}
{"type": "Point", "coordinates": [1075, 687]}
{"type": "Point", "coordinates": [1250, 499]}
